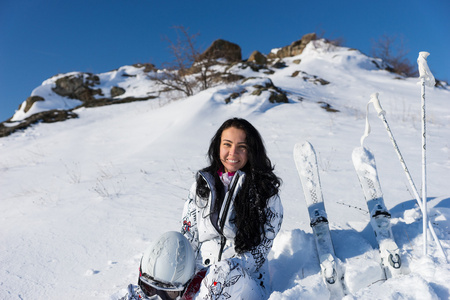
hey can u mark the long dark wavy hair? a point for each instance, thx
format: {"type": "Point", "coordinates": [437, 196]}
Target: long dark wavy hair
{"type": "Point", "coordinates": [259, 186]}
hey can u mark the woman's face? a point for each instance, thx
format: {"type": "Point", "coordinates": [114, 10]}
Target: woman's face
{"type": "Point", "coordinates": [233, 149]}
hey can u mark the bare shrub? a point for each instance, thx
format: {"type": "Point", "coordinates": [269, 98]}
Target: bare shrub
{"type": "Point", "coordinates": [392, 50]}
{"type": "Point", "coordinates": [189, 71]}
{"type": "Point", "coordinates": [336, 41]}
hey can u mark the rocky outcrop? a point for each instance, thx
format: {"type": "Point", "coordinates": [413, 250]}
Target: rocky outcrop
{"type": "Point", "coordinates": [79, 86]}
{"type": "Point", "coordinates": [295, 48]}
{"type": "Point", "coordinates": [277, 95]}
{"type": "Point", "coordinates": [222, 49]}
{"type": "Point", "coordinates": [50, 116]}
{"type": "Point", "coordinates": [30, 101]}
{"type": "Point", "coordinates": [147, 67]}
{"type": "Point", "coordinates": [310, 78]}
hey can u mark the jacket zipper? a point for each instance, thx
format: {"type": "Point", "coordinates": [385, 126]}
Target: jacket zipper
{"type": "Point", "coordinates": [223, 239]}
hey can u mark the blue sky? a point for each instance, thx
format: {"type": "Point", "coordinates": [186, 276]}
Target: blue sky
{"type": "Point", "coordinates": [39, 39]}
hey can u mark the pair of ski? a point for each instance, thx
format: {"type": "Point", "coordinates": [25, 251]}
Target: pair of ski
{"type": "Point", "coordinates": [364, 163]}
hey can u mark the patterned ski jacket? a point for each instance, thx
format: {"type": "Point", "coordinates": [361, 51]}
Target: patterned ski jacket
{"type": "Point", "coordinates": [206, 239]}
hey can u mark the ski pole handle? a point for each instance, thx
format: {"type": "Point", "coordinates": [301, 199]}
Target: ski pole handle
{"type": "Point", "coordinates": [381, 113]}
{"type": "Point", "coordinates": [376, 103]}
{"type": "Point", "coordinates": [426, 77]}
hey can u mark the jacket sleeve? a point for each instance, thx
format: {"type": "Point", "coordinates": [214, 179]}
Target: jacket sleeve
{"type": "Point", "coordinates": [189, 224]}
{"type": "Point", "coordinates": [255, 258]}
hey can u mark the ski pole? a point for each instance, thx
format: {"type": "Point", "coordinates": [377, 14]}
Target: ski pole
{"type": "Point", "coordinates": [381, 114]}
{"type": "Point", "coordinates": [426, 78]}
{"type": "Point", "coordinates": [424, 169]}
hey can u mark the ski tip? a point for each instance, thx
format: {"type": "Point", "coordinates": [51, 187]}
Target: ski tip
{"type": "Point", "coordinates": [363, 160]}
{"type": "Point", "coordinates": [304, 147]}
{"type": "Point", "coordinates": [362, 154]}
{"type": "Point", "coordinates": [357, 152]}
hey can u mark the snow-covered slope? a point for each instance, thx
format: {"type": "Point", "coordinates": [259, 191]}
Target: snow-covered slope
{"type": "Point", "coordinates": [81, 200]}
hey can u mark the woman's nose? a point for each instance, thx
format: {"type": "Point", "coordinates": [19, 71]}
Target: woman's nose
{"type": "Point", "coordinates": [232, 150]}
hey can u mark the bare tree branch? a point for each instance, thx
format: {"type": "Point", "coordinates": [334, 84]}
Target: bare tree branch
{"type": "Point", "coordinates": [392, 50]}
{"type": "Point", "coordinates": [190, 71]}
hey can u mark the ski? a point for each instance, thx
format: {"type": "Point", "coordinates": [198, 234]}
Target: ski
{"type": "Point", "coordinates": [380, 218]}
{"type": "Point", "coordinates": [306, 163]}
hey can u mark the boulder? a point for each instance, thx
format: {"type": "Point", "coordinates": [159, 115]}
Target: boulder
{"type": "Point", "coordinates": [222, 49]}
{"type": "Point", "coordinates": [78, 86]}
{"type": "Point", "coordinates": [295, 48]}
{"type": "Point", "coordinates": [257, 58]}
{"type": "Point", "coordinates": [117, 91]}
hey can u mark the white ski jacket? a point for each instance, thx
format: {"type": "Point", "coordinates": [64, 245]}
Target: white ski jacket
{"type": "Point", "coordinates": [206, 240]}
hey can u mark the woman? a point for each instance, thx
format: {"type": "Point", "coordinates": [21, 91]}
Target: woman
{"type": "Point", "coordinates": [233, 214]}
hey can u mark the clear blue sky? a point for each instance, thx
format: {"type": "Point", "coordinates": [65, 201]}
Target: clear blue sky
{"type": "Point", "coordinates": [39, 39]}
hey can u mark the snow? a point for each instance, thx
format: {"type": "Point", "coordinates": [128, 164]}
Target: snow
{"type": "Point", "coordinates": [82, 199]}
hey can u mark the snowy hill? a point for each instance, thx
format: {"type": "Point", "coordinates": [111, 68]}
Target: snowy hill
{"type": "Point", "coordinates": [82, 199]}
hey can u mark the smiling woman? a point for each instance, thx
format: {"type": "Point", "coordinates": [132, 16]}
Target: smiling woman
{"type": "Point", "coordinates": [233, 214]}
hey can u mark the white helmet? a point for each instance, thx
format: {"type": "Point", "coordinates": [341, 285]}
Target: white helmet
{"type": "Point", "coordinates": [169, 263]}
